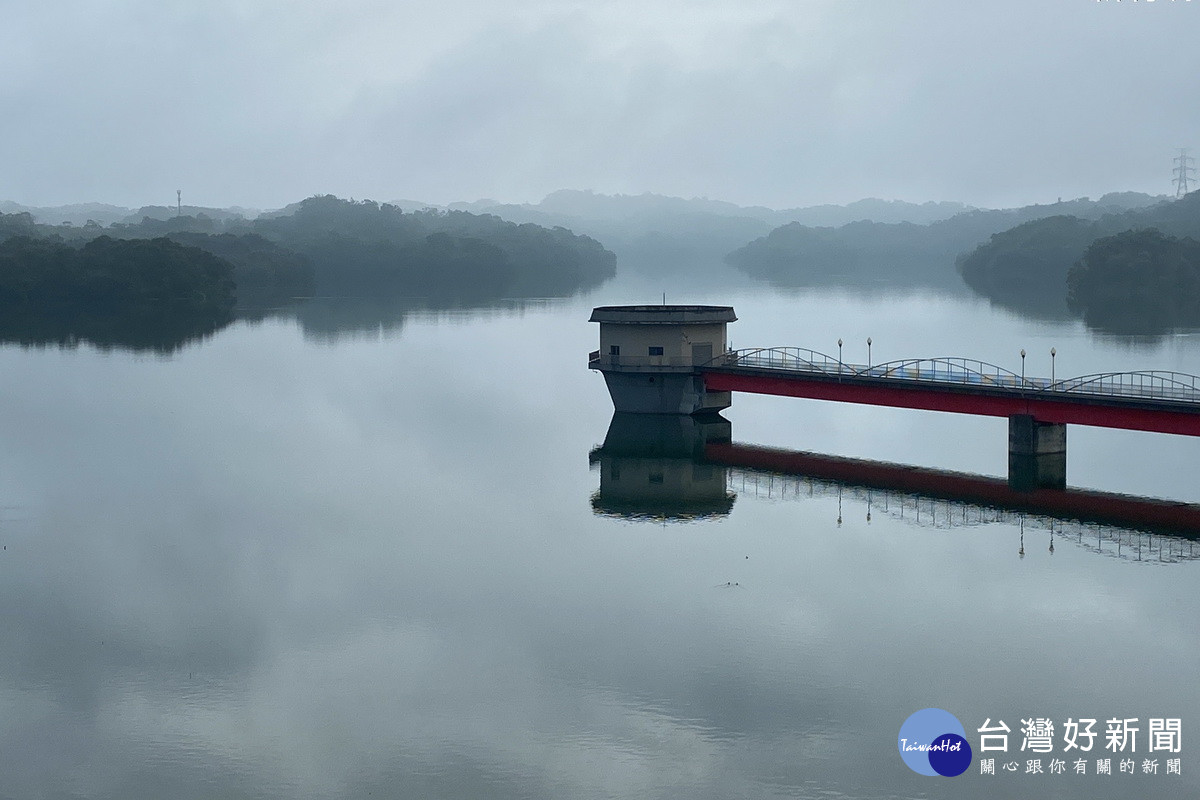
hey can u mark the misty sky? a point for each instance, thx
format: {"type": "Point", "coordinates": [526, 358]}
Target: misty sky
{"type": "Point", "coordinates": [263, 102]}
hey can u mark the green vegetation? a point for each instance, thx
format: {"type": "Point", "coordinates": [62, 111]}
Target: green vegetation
{"type": "Point", "coordinates": [263, 271]}
{"type": "Point", "coordinates": [357, 247]}
{"type": "Point", "coordinates": [900, 254]}
{"type": "Point", "coordinates": [150, 294]}
{"type": "Point", "coordinates": [113, 276]}
{"type": "Point", "coordinates": [1027, 268]}
{"type": "Point", "coordinates": [183, 274]}
{"type": "Point", "coordinates": [326, 245]}
{"type": "Point", "coordinates": [1138, 282]}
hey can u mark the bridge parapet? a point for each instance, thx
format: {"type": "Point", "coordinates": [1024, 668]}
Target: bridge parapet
{"type": "Point", "coordinates": [1149, 384]}
{"type": "Point", "coordinates": [1176, 387]}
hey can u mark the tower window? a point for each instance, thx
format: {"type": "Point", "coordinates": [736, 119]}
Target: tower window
{"type": "Point", "coordinates": [656, 351]}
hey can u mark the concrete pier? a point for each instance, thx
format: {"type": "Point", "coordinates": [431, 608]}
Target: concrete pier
{"type": "Point", "coordinates": [1037, 453]}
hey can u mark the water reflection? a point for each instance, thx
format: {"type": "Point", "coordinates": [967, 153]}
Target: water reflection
{"type": "Point", "coordinates": [667, 467]}
{"type": "Point", "coordinates": [147, 330]}
{"type": "Point", "coordinates": [330, 320]}
{"type": "Point", "coordinates": [652, 466]}
{"type": "Point", "coordinates": [322, 319]}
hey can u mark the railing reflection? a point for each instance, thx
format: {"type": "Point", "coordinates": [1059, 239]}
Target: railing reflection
{"type": "Point", "coordinates": [674, 468]}
{"type": "Point", "coordinates": [1151, 545]}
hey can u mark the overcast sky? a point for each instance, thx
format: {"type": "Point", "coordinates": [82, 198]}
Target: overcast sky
{"type": "Point", "coordinates": [781, 103]}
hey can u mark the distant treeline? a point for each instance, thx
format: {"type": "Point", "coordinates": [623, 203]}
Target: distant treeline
{"type": "Point", "coordinates": [1123, 272]}
{"type": "Point", "coordinates": [330, 246]}
{"type": "Point", "coordinates": [1137, 282]}
{"type": "Point", "coordinates": [113, 276]}
{"type": "Point", "coordinates": [364, 246]}
{"type": "Point", "coordinates": [139, 293]}
{"type": "Point", "coordinates": [327, 245]}
{"type": "Point", "coordinates": [902, 254]}
{"type": "Point", "coordinates": [199, 266]}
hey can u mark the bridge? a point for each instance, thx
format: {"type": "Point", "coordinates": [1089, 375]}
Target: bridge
{"type": "Point", "coordinates": [676, 360]}
{"type": "Point", "coordinates": [1161, 401]}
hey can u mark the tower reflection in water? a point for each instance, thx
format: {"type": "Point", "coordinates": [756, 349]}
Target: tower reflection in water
{"type": "Point", "coordinates": [672, 468]}
{"type": "Point", "coordinates": [652, 467]}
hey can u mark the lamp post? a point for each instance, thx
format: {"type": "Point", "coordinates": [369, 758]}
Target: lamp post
{"type": "Point", "coordinates": [1022, 366]}
{"type": "Point", "coordinates": [1052, 354]}
{"type": "Point", "coordinates": [868, 352]}
{"type": "Point", "coordinates": [839, 356]}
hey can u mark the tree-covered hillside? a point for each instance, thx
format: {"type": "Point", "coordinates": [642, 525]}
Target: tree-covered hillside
{"type": "Point", "coordinates": [899, 254]}
{"type": "Point", "coordinates": [152, 294]}
{"type": "Point", "coordinates": [1027, 267]}
{"type": "Point", "coordinates": [367, 246]}
{"type": "Point", "coordinates": [1139, 281]}
{"type": "Point", "coordinates": [113, 276]}
{"type": "Point", "coordinates": [183, 274]}
{"type": "Point", "coordinates": [326, 245]}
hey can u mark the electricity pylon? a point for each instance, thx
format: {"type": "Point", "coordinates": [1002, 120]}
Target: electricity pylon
{"type": "Point", "coordinates": [1181, 172]}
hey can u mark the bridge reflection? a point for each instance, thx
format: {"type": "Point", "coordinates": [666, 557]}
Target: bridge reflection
{"type": "Point", "coordinates": [673, 468]}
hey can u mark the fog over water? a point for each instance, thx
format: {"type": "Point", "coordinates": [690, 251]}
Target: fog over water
{"type": "Point", "coordinates": [280, 565]}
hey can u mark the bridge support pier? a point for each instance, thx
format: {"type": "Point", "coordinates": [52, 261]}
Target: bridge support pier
{"type": "Point", "coordinates": [1037, 453]}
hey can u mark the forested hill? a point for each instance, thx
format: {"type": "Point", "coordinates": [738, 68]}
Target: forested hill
{"type": "Point", "coordinates": [327, 245]}
{"type": "Point", "coordinates": [1027, 267]}
{"type": "Point", "coordinates": [160, 283]}
{"type": "Point", "coordinates": [142, 294]}
{"type": "Point", "coordinates": [659, 235]}
{"type": "Point", "coordinates": [1137, 282]}
{"type": "Point", "coordinates": [900, 254]}
{"type": "Point", "coordinates": [367, 246]}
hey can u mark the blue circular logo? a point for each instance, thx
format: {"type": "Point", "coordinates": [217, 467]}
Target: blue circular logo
{"type": "Point", "coordinates": [934, 742]}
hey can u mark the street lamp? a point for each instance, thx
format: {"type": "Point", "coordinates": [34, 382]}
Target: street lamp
{"type": "Point", "coordinates": [1022, 366]}
{"type": "Point", "coordinates": [839, 356]}
{"type": "Point", "coordinates": [1052, 365]}
{"type": "Point", "coordinates": [868, 352]}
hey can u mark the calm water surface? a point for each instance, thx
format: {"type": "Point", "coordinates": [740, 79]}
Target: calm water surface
{"type": "Point", "coordinates": [293, 562]}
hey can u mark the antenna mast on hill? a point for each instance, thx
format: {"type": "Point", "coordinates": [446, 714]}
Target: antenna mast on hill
{"type": "Point", "coordinates": [1181, 172]}
{"type": "Point", "coordinates": [179, 202]}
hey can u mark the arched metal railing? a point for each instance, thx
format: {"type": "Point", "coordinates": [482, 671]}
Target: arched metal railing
{"type": "Point", "coordinates": [793, 358]}
{"type": "Point", "coordinates": [953, 369]}
{"type": "Point", "coordinates": [1146, 383]}
{"type": "Point", "coordinates": [1143, 384]}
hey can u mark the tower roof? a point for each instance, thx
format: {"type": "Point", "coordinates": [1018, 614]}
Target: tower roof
{"type": "Point", "coordinates": [663, 315]}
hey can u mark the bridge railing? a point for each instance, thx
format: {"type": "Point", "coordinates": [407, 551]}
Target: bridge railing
{"type": "Point", "coordinates": [1149, 383]}
{"type": "Point", "coordinates": [1152, 384]}
{"type": "Point", "coordinates": [950, 370]}
{"type": "Point", "coordinates": [790, 358]}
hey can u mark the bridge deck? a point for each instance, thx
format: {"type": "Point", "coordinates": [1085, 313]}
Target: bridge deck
{"type": "Point", "coordinates": [1164, 402]}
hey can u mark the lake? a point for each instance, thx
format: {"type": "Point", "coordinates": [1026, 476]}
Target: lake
{"type": "Point", "coordinates": [345, 555]}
